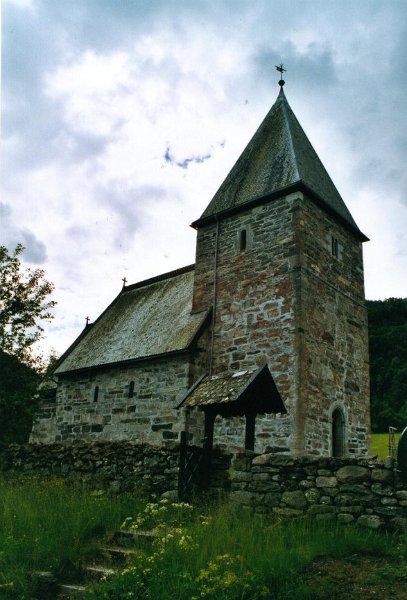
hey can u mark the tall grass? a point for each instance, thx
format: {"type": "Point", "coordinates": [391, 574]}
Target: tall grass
{"type": "Point", "coordinates": [229, 555]}
{"type": "Point", "coordinates": [216, 552]}
{"type": "Point", "coordinates": [46, 525]}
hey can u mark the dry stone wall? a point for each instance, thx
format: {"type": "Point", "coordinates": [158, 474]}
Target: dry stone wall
{"type": "Point", "coordinates": [343, 490]}
{"type": "Point", "coordinates": [112, 466]}
{"type": "Point", "coordinates": [115, 467]}
{"type": "Point", "coordinates": [366, 493]}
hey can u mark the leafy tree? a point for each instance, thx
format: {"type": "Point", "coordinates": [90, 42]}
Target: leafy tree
{"type": "Point", "coordinates": [24, 304]}
{"type": "Point", "coordinates": [18, 399]}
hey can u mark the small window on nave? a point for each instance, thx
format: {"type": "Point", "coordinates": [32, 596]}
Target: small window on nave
{"type": "Point", "coordinates": [243, 240]}
{"type": "Point", "coordinates": [334, 247]}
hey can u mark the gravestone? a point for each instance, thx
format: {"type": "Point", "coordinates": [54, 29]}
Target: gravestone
{"type": "Point", "coordinates": [402, 456]}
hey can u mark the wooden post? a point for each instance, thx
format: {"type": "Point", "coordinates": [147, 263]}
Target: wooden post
{"type": "Point", "coordinates": [181, 466]}
{"type": "Point", "coordinates": [207, 449]}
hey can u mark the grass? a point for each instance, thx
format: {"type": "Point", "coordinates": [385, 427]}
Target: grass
{"type": "Point", "coordinates": [46, 525]}
{"type": "Point", "coordinates": [379, 444]}
{"type": "Point", "coordinates": [233, 555]}
{"type": "Point", "coordinates": [201, 553]}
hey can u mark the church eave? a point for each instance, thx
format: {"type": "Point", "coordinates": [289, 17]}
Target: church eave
{"type": "Point", "coordinates": [158, 278]}
{"type": "Point", "coordinates": [124, 363]}
{"type": "Point", "coordinates": [298, 186]}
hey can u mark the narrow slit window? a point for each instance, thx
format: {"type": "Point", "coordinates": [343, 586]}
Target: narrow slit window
{"type": "Point", "coordinates": [334, 247]}
{"type": "Point", "coordinates": [131, 389]}
{"type": "Point", "coordinates": [338, 433]}
{"type": "Point", "coordinates": [96, 393]}
{"type": "Point", "coordinates": [243, 240]}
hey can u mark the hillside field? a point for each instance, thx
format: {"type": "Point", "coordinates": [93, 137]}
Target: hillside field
{"type": "Point", "coordinates": [379, 444]}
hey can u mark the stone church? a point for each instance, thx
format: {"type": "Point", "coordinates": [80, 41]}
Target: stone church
{"type": "Point", "coordinates": [261, 344]}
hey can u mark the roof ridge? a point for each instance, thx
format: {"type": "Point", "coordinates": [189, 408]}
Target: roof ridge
{"type": "Point", "coordinates": [158, 278]}
{"type": "Point", "coordinates": [286, 106]}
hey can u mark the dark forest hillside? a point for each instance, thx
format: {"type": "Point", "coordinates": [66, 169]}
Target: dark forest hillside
{"type": "Point", "coordinates": [388, 363]}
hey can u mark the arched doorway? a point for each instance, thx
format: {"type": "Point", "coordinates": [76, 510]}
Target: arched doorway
{"type": "Point", "coordinates": [338, 433]}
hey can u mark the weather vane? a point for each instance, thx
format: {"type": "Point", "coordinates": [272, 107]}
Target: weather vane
{"type": "Point", "coordinates": [281, 70]}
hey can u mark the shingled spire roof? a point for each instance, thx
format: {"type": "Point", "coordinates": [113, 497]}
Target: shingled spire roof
{"type": "Point", "coordinates": [278, 159]}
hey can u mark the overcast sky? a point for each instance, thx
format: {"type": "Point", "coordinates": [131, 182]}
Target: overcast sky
{"type": "Point", "coordinates": [121, 118]}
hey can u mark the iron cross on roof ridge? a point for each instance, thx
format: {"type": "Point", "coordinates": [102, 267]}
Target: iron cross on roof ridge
{"type": "Point", "coordinates": [281, 70]}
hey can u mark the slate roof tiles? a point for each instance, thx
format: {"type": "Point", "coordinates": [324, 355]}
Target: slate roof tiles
{"type": "Point", "coordinates": [278, 158]}
{"type": "Point", "coordinates": [147, 319]}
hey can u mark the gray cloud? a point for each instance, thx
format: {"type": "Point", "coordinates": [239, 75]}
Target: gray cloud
{"type": "Point", "coordinates": [183, 163]}
{"type": "Point", "coordinates": [11, 235]}
{"type": "Point", "coordinates": [129, 204]}
{"type": "Point", "coordinates": [313, 68]}
{"type": "Point", "coordinates": [5, 210]}
{"type": "Point", "coordinates": [346, 68]}
{"type": "Point", "coordinates": [35, 250]}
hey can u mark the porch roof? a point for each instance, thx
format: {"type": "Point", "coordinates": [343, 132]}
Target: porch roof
{"type": "Point", "coordinates": [242, 392]}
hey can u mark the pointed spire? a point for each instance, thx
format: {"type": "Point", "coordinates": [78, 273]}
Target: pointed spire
{"type": "Point", "coordinates": [279, 159]}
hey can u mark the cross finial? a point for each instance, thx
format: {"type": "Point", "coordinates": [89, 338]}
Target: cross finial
{"type": "Point", "coordinates": [124, 281]}
{"type": "Point", "coordinates": [281, 70]}
{"type": "Point", "coordinates": [87, 321]}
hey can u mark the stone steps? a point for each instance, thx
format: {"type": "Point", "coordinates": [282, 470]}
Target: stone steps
{"type": "Point", "coordinates": [70, 590]}
{"type": "Point", "coordinates": [132, 539]}
{"type": "Point", "coordinates": [95, 572]}
{"type": "Point", "coordinates": [123, 546]}
{"type": "Point", "coordinates": [116, 554]}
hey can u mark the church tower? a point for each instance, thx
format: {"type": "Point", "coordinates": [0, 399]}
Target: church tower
{"type": "Point", "coordinates": [279, 260]}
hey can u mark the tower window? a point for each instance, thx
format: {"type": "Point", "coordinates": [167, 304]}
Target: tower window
{"type": "Point", "coordinates": [334, 247]}
{"type": "Point", "coordinates": [131, 389]}
{"type": "Point", "coordinates": [96, 393]}
{"type": "Point", "coordinates": [243, 240]}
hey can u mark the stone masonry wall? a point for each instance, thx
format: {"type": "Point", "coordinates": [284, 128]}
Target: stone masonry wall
{"type": "Point", "coordinates": [147, 415]}
{"type": "Point", "coordinates": [112, 466]}
{"type": "Point", "coordinates": [255, 300]}
{"type": "Point", "coordinates": [272, 432]}
{"type": "Point", "coordinates": [343, 490]}
{"type": "Point", "coordinates": [288, 301]}
{"type": "Point", "coordinates": [364, 492]}
{"type": "Point", "coordinates": [332, 322]}
{"type": "Point", "coordinates": [115, 467]}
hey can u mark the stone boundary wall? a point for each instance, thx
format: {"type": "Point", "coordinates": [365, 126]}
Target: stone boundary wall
{"type": "Point", "coordinates": [115, 467]}
{"type": "Point", "coordinates": [343, 490]}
